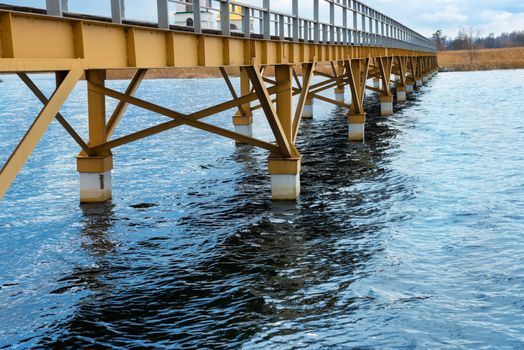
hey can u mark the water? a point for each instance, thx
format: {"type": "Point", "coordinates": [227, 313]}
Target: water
{"type": "Point", "coordinates": [414, 239]}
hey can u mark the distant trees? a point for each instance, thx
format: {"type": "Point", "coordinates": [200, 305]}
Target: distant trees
{"type": "Point", "coordinates": [471, 39]}
{"type": "Point", "coordinates": [440, 40]}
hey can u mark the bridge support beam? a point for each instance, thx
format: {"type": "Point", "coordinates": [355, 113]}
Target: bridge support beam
{"type": "Point", "coordinates": [401, 93]}
{"type": "Point", "coordinates": [340, 89]}
{"type": "Point", "coordinates": [357, 71]}
{"type": "Point", "coordinates": [285, 171]}
{"type": "Point", "coordinates": [243, 119]}
{"type": "Point", "coordinates": [385, 66]}
{"type": "Point", "coordinates": [95, 171]}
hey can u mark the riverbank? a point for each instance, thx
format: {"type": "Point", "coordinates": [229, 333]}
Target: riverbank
{"type": "Point", "coordinates": [487, 59]}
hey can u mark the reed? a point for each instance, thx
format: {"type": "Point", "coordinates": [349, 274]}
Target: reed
{"type": "Point", "coordinates": [485, 59]}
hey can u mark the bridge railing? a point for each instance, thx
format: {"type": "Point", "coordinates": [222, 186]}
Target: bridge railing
{"type": "Point", "coordinates": [350, 22]}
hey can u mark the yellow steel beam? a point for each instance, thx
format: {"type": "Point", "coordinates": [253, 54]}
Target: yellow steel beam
{"type": "Point", "coordinates": [358, 73]}
{"type": "Point", "coordinates": [40, 95]}
{"type": "Point", "coordinates": [269, 111]}
{"type": "Point", "coordinates": [307, 74]}
{"type": "Point", "coordinates": [180, 119]}
{"type": "Point", "coordinates": [122, 105]}
{"type": "Point", "coordinates": [24, 149]}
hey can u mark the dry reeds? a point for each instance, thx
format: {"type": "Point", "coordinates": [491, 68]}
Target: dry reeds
{"type": "Point", "coordinates": [486, 59]}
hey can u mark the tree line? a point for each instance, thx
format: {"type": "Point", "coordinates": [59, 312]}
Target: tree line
{"type": "Point", "coordinates": [471, 38]}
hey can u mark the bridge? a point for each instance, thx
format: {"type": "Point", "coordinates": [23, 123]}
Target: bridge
{"type": "Point", "coordinates": [355, 42]}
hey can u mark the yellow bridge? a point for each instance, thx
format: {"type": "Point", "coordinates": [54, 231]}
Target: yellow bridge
{"type": "Point", "coordinates": [356, 43]}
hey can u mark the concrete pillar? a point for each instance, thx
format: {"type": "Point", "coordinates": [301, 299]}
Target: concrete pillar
{"type": "Point", "coordinates": [339, 94]}
{"type": "Point", "coordinates": [419, 82]}
{"type": "Point", "coordinates": [95, 171]}
{"type": "Point", "coordinates": [401, 93]}
{"type": "Point", "coordinates": [243, 119]}
{"type": "Point", "coordinates": [425, 78]}
{"type": "Point", "coordinates": [376, 83]}
{"type": "Point", "coordinates": [285, 178]}
{"type": "Point", "coordinates": [243, 124]}
{"type": "Point", "coordinates": [95, 178]}
{"type": "Point", "coordinates": [386, 105]}
{"type": "Point", "coordinates": [307, 113]}
{"type": "Point", "coordinates": [356, 126]}
{"type": "Point", "coordinates": [410, 87]}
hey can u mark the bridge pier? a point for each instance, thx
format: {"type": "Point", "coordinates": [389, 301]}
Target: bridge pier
{"type": "Point", "coordinates": [243, 119]}
{"type": "Point", "coordinates": [285, 171]}
{"type": "Point", "coordinates": [95, 171]}
{"type": "Point", "coordinates": [401, 93]}
{"type": "Point", "coordinates": [376, 83]}
{"type": "Point", "coordinates": [307, 112]}
{"type": "Point", "coordinates": [386, 105]}
{"type": "Point", "coordinates": [357, 70]}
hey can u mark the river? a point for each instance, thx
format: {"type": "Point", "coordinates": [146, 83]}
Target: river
{"type": "Point", "coordinates": [413, 239]}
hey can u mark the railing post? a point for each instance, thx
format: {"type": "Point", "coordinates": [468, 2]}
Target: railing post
{"type": "Point", "coordinates": [246, 22]}
{"type": "Point", "coordinates": [345, 22]}
{"type": "Point", "coordinates": [332, 22]}
{"type": "Point", "coordinates": [197, 17]}
{"type": "Point", "coordinates": [296, 23]}
{"type": "Point", "coordinates": [316, 16]}
{"type": "Point", "coordinates": [356, 35]}
{"type": "Point", "coordinates": [54, 7]}
{"type": "Point", "coordinates": [116, 11]}
{"type": "Point", "coordinates": [267, 20]}
{"type": "Point", "coordinates": [225, 18]}
{"type": "Point", "coordinates": [163, 13]}
{"type": "Point", "coordinates": [281, 27]}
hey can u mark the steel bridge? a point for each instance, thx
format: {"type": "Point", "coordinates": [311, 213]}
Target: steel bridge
{"type": "Point", "coordinates": [356, 42]}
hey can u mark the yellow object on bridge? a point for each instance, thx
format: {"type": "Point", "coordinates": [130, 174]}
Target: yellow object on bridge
{"type": "Point", "coordinates": [76, 47]}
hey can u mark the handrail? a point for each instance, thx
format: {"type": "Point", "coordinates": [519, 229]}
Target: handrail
{"type": "Point", "coordinates": [361, 24]}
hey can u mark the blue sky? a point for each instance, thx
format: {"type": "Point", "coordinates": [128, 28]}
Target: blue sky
{"type": "Point", "coordinates": [424, 16]}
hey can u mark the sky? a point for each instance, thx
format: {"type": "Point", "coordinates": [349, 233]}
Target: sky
{"type": "Point", "coordinates": [423, 16]}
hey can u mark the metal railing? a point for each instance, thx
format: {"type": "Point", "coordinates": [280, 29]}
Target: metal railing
{"type": "Point", "coordinates": [358, 24]}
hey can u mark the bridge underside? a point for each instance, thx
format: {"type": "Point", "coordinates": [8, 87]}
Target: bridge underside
{"type": "Point", "coordinates": [76, 49]}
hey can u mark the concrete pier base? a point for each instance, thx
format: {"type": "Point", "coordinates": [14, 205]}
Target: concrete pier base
{"type": "Point", "coordinates": [425, 79]}
{"type": "Point", "coordinates": [339, 94]}
{"type": "Point", "coordinates": [285, 179]}
{"type": "Point", "coordinates": [243, 125]}
{"type": "Point", "coordinates": [386, 105]}
{"type": "Point", "coordinates": [419, 83]}
{"type": "Point", "coordinates": [307, 113]}
{"type": "Point", "coordinates": [356, 127]}
{"type": "Point", "coordinates": [376, 83]}
{"type": "Point", "coordinates": [401, 94]}
{"type": "Point", "coordinates": [95, 179]}
{"type": "Point", "coordinates": [409, 87]}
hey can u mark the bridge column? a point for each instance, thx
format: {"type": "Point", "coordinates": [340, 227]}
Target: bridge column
{"type": "Point", "coordinates": [307, 112]}
{"type": "Point", "coordinates": [339, 90]}
{"type": "Point", "coordinates": [95, 171]}
{"type": "Point", "coordinates": [376, 83]}
{"type": "Point", "coordinates": [357, 71]}
{"type": "Point", "coordinates": [401, 93]}
{"type": "Point", "coordinates": [285, 172]}
{"type": "Point", "coordinates": [243, 119]}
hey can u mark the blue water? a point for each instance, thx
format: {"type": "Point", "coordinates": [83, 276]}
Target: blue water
{"type": "Point", "coordinates": [413, 239]}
